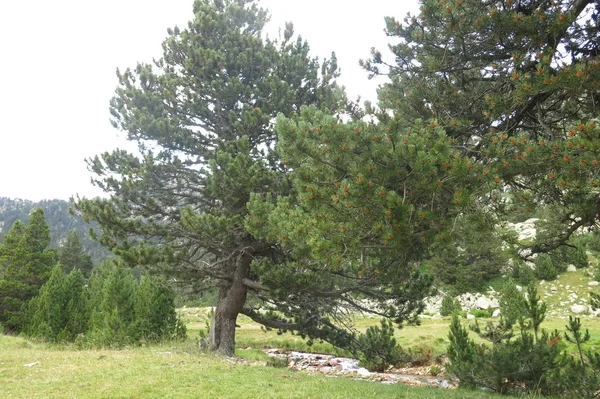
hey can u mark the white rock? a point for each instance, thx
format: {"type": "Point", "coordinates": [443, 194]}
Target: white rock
{"type": "Point", "coordinates": [496, 313]}
{"type": "Point", "coordinates": [470, 316]}
{"type": "Point", "coordinates": [483, 303]}
{"type": "Point", "coordinates": [593, 283]}
{"type": "Point", "coordinates": [519, 288]}
{"type": "Point", "coordinates": [571, 268]}
{"type": "Point", "coordinates": [579, 309]}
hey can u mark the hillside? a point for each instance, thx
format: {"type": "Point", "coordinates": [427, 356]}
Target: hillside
{"type": "Point", "coordinates": [59, 220]}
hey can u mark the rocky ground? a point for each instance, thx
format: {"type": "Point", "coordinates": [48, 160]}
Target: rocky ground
{"type": "Point", "coordinates": [339, 366]}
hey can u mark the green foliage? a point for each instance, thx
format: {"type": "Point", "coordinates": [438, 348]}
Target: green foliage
{"type": "Point", "coordinates": [72, 255]}
{"type": "Point", "coordinates": [112, 316]}
{"type": "Point", "coordinates": [471, 259]}
{"type": "Point", "coordinates": [202, 115]}
{"type": "Point", "coordinates": [60, 222]}
{"type": "Point", "coordinates": [462, 353]}
{"type": "Point", "coordinates": [449, 306]}
{"type": "Point", "coordinates": [523, 273]}
{"type": "Point", "coordinates": [512, 302]}
{"type": "Point", "coordinates": [60, 311]}
{"type": "Point", "coordinates": [522, 364]}
{"type": "Point", "coordinates": [545, 268]}
{"type": "Point", "coordinates": [568, 255]}
{"type": "Point", "coordinates": [481, 313]}
{"type": "Point", "coordinates": [154, 310]}
{"type": "Point", "coordinates": [378, 347]}
{"type": "Point", "coordinates": [578, 376]}
{"type": "Point", "coordinates": [26, 265]}
{"type": "Point", "coordinates": [112, 310]}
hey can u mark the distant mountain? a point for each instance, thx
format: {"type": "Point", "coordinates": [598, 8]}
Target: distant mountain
{"type": "Point", "coordinates": [59, 220]}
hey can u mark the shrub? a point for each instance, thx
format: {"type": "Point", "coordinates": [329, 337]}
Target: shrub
{"type": "Point", "coordinates": [566, 255]}
{"type": "Point", "coordinates": [481, 313]}
{"type": "Point", "coordinates": [59, 312]}
{"type": "Point", "coordinates": [449, 306]}
{"type": "Point", "coordinates": [522, 273]}
{"type": "Point", "coordinates": [154, 311]}
{"type": "Point", "coordinates": [545, 268]}
{"type": "Point", "coordinates": [512, 302]}
{"type": "Point", "coordinates": [507, 365]}
{"type": "Point", "coordinates": [378, 348]}
{"type": "Point", "coordinates": [114, 310]}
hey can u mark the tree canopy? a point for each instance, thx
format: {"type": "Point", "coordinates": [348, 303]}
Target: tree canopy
{"type": "Point", "coordinates": [203, 118]}
{"type": "Point", "coordinates": [515, 83]}
{"type": "Point", "coordinates": [25, 265]}
{"type": "Point", "coordinates": [251, 179]}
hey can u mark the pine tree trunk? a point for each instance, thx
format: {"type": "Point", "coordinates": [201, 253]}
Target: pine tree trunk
{"type": "Point", "coordinates": [231, 300]}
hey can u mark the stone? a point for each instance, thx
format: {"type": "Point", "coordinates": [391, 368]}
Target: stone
{"type": "Point", "coordinates": [483, 303]}
{"type": "Point", "coordinates": [470, 316]}
{"type": "Point", "coordinates": [579, 309]}
{"type": "Point", "coordinates": [519, 288]}
{"type": "Point", "coordinates": [571, 268]}
{"type": "Point", "coordinates": [553, 288]}
{"type": "Point", "coordinates": [496, 313]}
{"type": "Point", "coordinates": [593, 283]}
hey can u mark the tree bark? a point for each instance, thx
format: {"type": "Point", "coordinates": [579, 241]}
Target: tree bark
{"type": "Point", "coordinates": [230, 303]}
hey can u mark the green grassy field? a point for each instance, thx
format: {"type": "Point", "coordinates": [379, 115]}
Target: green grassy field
{"type": "Point", "coordinates": [179, 370]}
{"type": "Point", "coordinates": [173, 371]}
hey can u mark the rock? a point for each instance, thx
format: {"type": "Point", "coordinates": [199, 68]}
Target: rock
{"type": "Point", "coordinates": [496, 313]}
{"type": "Point", "coordinates": [332, 362]}
{"type": "Point", "coordinates": [579, 309]}
{"type": "Point", "coordinates": [571, 268]}
{"type": "Point", "coordinates": [470, 316]}
{"type": "Point", "coordinates": [593, 283]}
{"type": "Point", "coordinates": [519, 288]}
{"type": "Point", "coordinates": [483, 303]}
{"type": "Point", "coordinates": [363, 372]}
{"type": "Point", "coordinates": [553, 288]}
{"type": "Point", "coordinates": [31, 364]}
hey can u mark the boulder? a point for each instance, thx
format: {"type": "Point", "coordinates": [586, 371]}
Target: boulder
{"type": "Point", "coordinates": [593, 283]}
{"type": "Point", "coordinates": [483, 303]}
{"type": "Point", "coordinates": [579, 309]}
{"type": "Point", "coordinates": [496, 313]}
{"type": "Point", "coordinates": [571, 268]}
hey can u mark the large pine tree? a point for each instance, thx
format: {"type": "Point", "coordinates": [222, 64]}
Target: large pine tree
{"type": "Point", "coordinates": [516, 84]}
{"type": "Point", "coordinates": [202, 116]}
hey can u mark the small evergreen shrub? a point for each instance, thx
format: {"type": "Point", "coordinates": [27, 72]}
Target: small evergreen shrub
{"type": "Point", "coordinates": [522, 273]}
{"type": "Point", "coordinates": [545, 268]}
{"type": "Point", "coordinates": [449, 306]}
{"type": "Point", "coordinates": [378, 348]}
{"type": "Point", "coordinates": [114, 310]}
{"type": "Point", "coordinates": [59, 313]}
{"type": "Point", "coordinates": [569, 255]}
{"type": "Point", "coordinates": [512, 302]}
{"type": "Point", "coordinates": [481, 313]}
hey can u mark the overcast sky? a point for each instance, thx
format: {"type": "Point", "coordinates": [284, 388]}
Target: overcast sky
{"type": "Point", "coordinates": [58, 74]}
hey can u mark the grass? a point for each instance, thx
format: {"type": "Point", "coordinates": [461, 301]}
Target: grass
{"type": "Point", "coordinates": [173, 371]}
{"type": "Point", "coordinates": [179, 370]}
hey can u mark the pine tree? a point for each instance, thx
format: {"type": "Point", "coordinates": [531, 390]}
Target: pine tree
{"type": "Point", "coordinates": [71, 255]}
{"type": "Point", "coordinates": [27, 264]}
{"type": "Point", "coordinates": [515, 84]}
{"type": "Point", "coordinates": [112, 304]}
{"type": "Point", "coordinates": [59, 312]}
{"type": "Point", "coordinates": [202, 116]}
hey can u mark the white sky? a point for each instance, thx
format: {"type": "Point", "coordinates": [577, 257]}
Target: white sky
{"type": "Point", "coordinates": [58, 64]}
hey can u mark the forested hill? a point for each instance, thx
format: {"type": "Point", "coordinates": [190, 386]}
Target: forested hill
{"type": "Point", "coordinates": [58, 218]}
